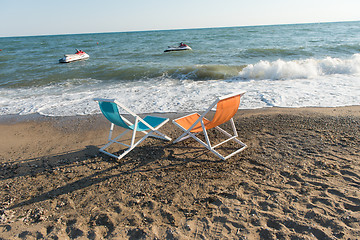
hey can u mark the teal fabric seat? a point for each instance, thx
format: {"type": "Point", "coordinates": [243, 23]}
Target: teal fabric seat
{"type": "Point", "coordinates": [148, 126]}
{"type": "Point", "coordinates": [151, 120]}
{"type": "Point", "coordinates": [111, 112]}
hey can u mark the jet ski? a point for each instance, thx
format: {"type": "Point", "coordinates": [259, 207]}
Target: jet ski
{"type": "Point", "coordinates": [79, 55]}
{"type": "Point", "coordinates": [181, 47]}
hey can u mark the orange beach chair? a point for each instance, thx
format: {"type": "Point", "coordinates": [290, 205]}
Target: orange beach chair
{"type": "Point", "coordinates": [193, 124]}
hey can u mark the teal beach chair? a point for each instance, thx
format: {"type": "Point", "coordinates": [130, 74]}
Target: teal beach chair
{"type": "Point", "coordinates": [148, 126]}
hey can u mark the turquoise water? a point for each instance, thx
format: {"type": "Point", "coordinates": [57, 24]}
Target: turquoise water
{"type": "Point", "coordinates": [270, 62]}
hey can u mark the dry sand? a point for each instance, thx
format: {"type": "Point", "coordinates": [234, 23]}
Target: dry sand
{"type": "Point", "coordinates": [299, 179]}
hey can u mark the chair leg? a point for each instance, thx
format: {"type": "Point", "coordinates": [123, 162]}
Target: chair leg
{"type": "Point", "coordinates": [133, 144]}
{"type": "Point", "coordinates": [111, 130]}
{"type": "Point", "coordinates": [181, 139]}
{"type": "Point", "coordinates": [207, 144]}
{"type": "Point", "coordinates": [131, 147]}
{"type": "Point", "coordinates": [183, 136]}
{"type": "Point", "coordinates": [115, 140]}
{"type": "Point", "coordinates": [233, 127]}
{"type": "Point", "coordinates": [107, 153]}
{"type": "Point", "coordinates": [231, 137]}
{"type": "Point", "coordinates": [159, 135]}
{"type": "Point", "coordinates": [206, 135]}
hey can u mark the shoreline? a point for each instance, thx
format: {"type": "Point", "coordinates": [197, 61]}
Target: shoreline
{"type": "Point", "coordinates": [15, 118]}
{"type": "Point", "coordinates": [298, 178]}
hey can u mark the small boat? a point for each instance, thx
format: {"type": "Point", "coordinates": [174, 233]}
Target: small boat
{"type": "Point", "coordinates": [79, 55]}
{"type": "Point", "coordinates": [181, 47]}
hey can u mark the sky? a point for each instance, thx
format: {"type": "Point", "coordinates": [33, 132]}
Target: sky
{"type": "Point", "coordinates": [49, 17]}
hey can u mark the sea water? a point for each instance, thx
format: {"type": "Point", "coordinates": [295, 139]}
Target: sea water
{"type": "Point", "coordinates": [296, 65]}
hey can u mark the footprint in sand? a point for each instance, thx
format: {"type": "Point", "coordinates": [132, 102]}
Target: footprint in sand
{"type": "Point", "coordinates": [102, 220]}
{"type": "Point", "coordinates": [137, 233]}
{"type": "Point", "coordinates": [72, 231]}
{"type": "Point", "coordinates": [301, 228]}
{"type": "Point", "coordinates": [351, 177]}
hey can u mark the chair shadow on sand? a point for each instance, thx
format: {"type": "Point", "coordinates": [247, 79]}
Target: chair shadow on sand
{"type": "Point", "coordinates": [146, 158]}
{"type": "Point", "coordinates": [49, 164]}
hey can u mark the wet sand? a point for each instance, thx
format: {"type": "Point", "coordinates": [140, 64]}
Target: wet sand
{"type": "Point", "coordinates": [299, 178]}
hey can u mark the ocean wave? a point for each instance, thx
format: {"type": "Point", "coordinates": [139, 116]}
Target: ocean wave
{"type": "Point", "coordinates": [116, 72]}
{"type": "Point", "coordinates": [275, 70]}
{"type": "Point", "coordinates": [204, 72]}
{"type": "Point", "coordinates": [344, 48]}
{"type": "Point", "coordinates": [273, 52]}
{"type": "Point", "coordinates": [195, 72]}
{"type": "Point", "coordinates": [301, 69]}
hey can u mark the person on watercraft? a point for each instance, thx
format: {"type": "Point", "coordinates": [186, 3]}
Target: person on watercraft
{"type": "Point", "coordinates": [79, 51]}
{"type": "Point", "coordinates": [182, 45]}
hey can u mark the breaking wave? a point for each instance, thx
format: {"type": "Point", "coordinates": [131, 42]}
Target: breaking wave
{"type": "Point", "coordinates": [301, 69]}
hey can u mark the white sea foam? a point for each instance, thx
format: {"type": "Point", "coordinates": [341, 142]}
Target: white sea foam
{"type": "Point", "coordinates": [329, 82]}
{"type": "Point", "coordinates": [308, 68]}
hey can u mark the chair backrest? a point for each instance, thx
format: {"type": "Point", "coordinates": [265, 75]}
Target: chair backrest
{"type": "Point", "coordinates": [225, 110]}
{"type": "Point", "coordinates": [111, 112]}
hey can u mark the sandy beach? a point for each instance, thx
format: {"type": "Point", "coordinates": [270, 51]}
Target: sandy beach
{"type": "Point", "coordinates": [299, 178]}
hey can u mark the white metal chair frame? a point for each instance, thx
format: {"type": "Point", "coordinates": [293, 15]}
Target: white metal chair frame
{"type": "Point", "coordinates": [133, 144]}
{"type": "Point", "coordinates": [187, 132]}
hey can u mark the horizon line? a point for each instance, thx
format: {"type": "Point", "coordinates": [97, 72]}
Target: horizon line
{"type": "Point", "coordinates": [178, 29]}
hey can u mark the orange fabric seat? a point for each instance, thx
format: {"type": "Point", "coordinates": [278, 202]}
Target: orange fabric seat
{"type": "Point", "coordinates": [187, 121]}
{"type": "Point", "coordinates": [226, 108]}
